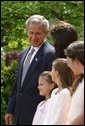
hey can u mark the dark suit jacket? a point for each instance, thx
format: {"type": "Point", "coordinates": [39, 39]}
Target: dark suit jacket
{"type": "Point", "coordinates": [24, 100]}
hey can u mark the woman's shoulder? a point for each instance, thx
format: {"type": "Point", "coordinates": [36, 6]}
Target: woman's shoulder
{"type": "Point", "coordinates": [82, 83]}
{"type": "Point", "coordinates": [80, 87]}
{"type": "Point", "coordinates": [79, 91]}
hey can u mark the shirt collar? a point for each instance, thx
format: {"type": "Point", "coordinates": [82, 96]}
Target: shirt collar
{"type": "Point", "coordinates": [37, 48]}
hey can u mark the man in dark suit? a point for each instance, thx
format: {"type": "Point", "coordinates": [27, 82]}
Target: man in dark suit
{"type": "Point", "coordinates": [25, 97]}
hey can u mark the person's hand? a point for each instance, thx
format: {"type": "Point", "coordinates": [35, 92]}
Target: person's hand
{"type": "Point", "coordinates": [8, 119]}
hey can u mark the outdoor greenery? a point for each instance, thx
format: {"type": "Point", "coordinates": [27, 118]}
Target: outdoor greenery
{"type": "Point", "coordinates": [14, 37]}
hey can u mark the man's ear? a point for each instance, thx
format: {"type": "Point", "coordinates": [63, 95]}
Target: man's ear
{"type": "Point", "coordinates": [46, 32]}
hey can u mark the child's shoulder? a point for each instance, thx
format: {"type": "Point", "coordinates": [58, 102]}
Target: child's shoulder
{"type": "Point", "coordinates": [41, 103]}
{"type": "Point", "coordinates": [65, 92]}
{"type": "Point", "coordinates": [54, 91]}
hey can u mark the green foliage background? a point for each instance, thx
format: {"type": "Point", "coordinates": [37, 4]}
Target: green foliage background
{"type": "Point", "coordinates": [14, 37]}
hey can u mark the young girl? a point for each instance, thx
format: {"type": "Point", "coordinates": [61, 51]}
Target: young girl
{"type": "Point", "coordinates": [46, 85]}
{"type": "Point", "coordinates": [75, 57]}
{"type": "Point", "coordinates": [60, 100]}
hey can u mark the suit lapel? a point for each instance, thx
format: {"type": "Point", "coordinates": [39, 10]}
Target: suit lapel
{"type": "Point", "coordinates": [34, 63]}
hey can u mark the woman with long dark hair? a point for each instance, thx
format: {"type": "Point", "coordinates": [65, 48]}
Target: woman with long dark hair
{"type": "Point", "coordinates": [75, 57]}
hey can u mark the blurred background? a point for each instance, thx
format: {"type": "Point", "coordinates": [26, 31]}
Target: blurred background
{"type": "Point", "coordinates": [14, 38]}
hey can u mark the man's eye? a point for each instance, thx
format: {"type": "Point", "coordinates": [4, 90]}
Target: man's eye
{"type": "Point", "coordinates": [31, 33]}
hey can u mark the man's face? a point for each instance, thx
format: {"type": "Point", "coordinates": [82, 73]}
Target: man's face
{"type": "Point", "coordinates": [36, 34]}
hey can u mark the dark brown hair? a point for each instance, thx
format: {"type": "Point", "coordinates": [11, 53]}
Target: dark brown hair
{"type": "Point", "coordinates": [63, 34]}
{"type": "Point", "coordinates": [66, 74]}
{"type": "Point", "coordinates": [76, 83]}
{"type": "Point", "coordinates": [76, 51]}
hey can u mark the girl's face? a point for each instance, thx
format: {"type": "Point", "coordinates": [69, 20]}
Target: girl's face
{"type": "Point", "coordinates": [45, 87]}
{"type": "Point", "coordinates": [74, 65]}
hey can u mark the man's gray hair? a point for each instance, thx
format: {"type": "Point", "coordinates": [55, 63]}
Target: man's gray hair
{"type": "Point", "coordinates": [36, 19]}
